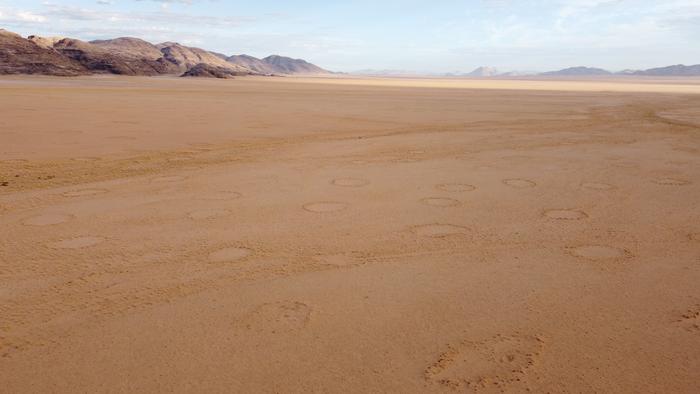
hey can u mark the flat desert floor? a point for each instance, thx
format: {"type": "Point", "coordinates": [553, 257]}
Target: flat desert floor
{"type": "Point", "coordinates": [319, 235]}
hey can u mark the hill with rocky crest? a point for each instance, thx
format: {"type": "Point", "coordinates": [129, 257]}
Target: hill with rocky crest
{"type": "Point", "coordinates": [132, 56]}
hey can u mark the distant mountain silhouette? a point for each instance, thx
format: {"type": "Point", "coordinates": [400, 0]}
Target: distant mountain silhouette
{"type": "Point", "coordinates": [578, 71]}
{"type": "Point", "coordinates": [678, 70]}
{"type": "Point", "coordinates": [483, 72]}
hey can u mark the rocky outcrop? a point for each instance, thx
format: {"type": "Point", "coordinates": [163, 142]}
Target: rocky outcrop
{"type": "Point", "coordinates": [19, 55]}
{"type": "Point", "coordinates": [105, 60]}
{"type": "Point", "coordinates": [203, 70]}
{"type": "Point", "coordinates": [45, 42]}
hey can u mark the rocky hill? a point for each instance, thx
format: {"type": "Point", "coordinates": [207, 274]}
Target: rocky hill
{"type": "Point", "coordinates": [100, 59]}
{"type": "Point", "coordinates": [22, 56]}
{"type": "Point", "coordinates": [275, 64]}
{"type": "Point", "coordinates": [287, 65]}
{"type": "Point", "coordinates": [132, 56]}
{"type": "Point", "coordinates": [130, 47]}
{"type": "Point", "coordinates": [209, 71]}
{"type": "Point", "coordinates": [253, 63]}
{"type": "Point", "coordinates": [187, 57]}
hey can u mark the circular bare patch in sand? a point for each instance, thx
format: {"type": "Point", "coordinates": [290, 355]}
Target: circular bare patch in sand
{"type": "Point", "coordinates": [168, 178]}
{"type": "Point", "coordinates": [207, 214]}
{"type": "Point", "coordinates": [228, 255]}
{"type": "Point", "coordinates": [76, 243]}
{"type": "Point", "coordinates": [350, 182]}
{"type": "Point", "coordinates": [519, 183]}
{"type": "Point", "coordinates": [437, 230]}
{"type": "Point", "coordinates": [455, 187]}
{"type": "Point", "coordinates": [442, 202]}
{"type": "Point", "coordinates": [499, 362]}
{"type": "Point", "coordinates": [325, 206]}
{"type": "Point", "coordinates": [597, 186]}
{"type": "Point", "coordinates": [671, 182]}
{"type": "Point", "coordinates": [84, 192]}
{"type": "Point", "coordinates": [221, 195]}
{"type": "Point", "coordinates": [598, 252]}
{"type": "Point", "coordinates": [48, 219]}
{"type": "Point", "coordinates": [565, 214]}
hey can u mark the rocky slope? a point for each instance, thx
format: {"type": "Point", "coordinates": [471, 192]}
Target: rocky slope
{"type": "Point", "coordinates": [252, 63]}
{"type": "Point", "coordinates": [100, 59]}
{"type": "Point", "coordinates": [131, 47]}
{"type": "Point", "coordinates": [275, 64]}
{"type": "Point", "coordinates": [187, 57]}
{"type": "Point", "coordinates": [287, 65]}
{"type": "Point", "coordinates": [22, 56]}
{"type": "Point", "coordinates": [209, 71]}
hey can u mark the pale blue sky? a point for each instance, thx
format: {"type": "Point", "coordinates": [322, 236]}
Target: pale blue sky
{"type": "Point", "coordinates": [426, 36]}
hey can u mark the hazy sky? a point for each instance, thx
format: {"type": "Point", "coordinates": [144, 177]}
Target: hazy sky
{"type": "Point", "coordinates": [437, 35]}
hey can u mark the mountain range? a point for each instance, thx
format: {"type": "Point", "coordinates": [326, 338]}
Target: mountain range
{"type": "Point", "coordinates": [133, 56]}
{"type": "Point", "coordinates": [678, 70]}
{"type": "Point", "coordinates": [488, 72]}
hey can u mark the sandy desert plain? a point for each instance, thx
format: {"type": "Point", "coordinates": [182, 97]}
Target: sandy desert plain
{"type": "Point", "coordinates": [342, 235]}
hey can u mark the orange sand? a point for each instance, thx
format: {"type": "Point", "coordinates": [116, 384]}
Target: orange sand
{"type": "Point", "coordinates": [318, 235]}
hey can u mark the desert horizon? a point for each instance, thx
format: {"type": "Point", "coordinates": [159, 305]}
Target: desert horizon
{"type": "Point", "coordinates": [135, 56]}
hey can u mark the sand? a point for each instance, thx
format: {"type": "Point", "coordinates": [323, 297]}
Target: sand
{"type": "Point", "coordinates": [346, 235]}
